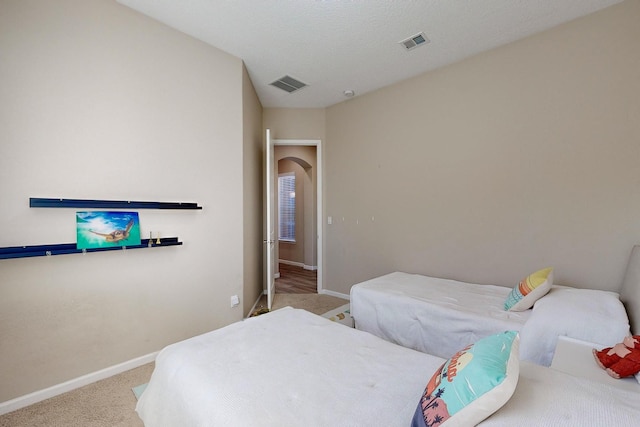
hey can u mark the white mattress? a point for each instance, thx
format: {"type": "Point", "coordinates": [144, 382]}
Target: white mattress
{"type": "Point", "coordinates": [293, 368]}
{"type": "Point", "coordinates": [285, 368]}
{"type": "Point", "coordinates": [432, 315]}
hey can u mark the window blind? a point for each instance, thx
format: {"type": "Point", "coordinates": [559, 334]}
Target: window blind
{"type": "Point", "coordinates": [287, 207]}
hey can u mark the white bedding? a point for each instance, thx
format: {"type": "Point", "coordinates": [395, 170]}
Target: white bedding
{"type": "Point", "coordinates": [548, 398]}
{"type": "Point", "coordinates": [439, 316]}
{"type": "Point", "coordinates": [432, 315]}
{"type": "Point", "coordinates": [293, 368]}
{"type": "Point", "coordinates": [285, 368]}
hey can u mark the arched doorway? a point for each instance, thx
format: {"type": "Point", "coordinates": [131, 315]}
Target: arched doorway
{"type": "Point", "coordinates": [297, 213]}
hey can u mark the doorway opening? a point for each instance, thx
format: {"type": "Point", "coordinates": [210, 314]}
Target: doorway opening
{"type": "Point", "coordinates": [293, 279]}
{"type": "Point", "coordinates": [298, 252]}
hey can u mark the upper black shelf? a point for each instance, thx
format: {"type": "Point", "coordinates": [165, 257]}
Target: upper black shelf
{"type": "Point", "coordinates": [108, 204]}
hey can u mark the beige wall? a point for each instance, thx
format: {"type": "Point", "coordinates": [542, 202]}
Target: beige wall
{"type": "Point", "coordinates": [101, 102]}
{"type": "Point", "coordinates": [252, 183]}
{"type": "Point", "coordinates": [516, 159]}
{"type": "Point", "coordinates": [295, 123]}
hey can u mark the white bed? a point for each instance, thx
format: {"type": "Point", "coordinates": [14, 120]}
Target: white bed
{"type": "Point", "coordinates": [294, 368]}
{"type": "Point", "coordinates": [438, 316]}
{"type": "Point", "coordinates": [432, 315]}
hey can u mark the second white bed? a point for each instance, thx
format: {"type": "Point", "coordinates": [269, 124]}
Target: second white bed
{"type": "Point", "coordinates": [432, 315]}
{"type": "Point", "coordinates": [438, 316]}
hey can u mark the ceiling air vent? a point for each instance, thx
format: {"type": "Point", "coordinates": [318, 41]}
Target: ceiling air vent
{"type": "Point", "coordinates": [289, 84]}
{"type": "Point", "coordinates": [414, 41]}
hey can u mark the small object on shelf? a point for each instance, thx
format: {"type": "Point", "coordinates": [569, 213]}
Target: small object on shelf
{"type": "Point", "coordinates": [158, 239]}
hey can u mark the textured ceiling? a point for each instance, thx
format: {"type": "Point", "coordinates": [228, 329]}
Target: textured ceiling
{"type": "Point", "coordinates": [338, 45]}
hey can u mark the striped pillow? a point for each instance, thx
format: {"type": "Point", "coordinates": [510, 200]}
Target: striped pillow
{"type": "Point", "coordinates": [529, 290]}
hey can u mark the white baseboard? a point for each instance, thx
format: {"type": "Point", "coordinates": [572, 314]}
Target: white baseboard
{"type": "Point", "coordinates": [298, 264]}
{"type": "Point", "coordinates": [335, 294]}
{"type": "Point", "coordinates": [294, 263]}
{"type": "Point", "coordinates": [323, 291]}
{"type": "Point", "coordinates": [255, 304]}
{"type": "Point", "coordinates": [40, 395]}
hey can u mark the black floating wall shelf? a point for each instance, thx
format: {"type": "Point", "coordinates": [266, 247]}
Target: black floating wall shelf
{"type": "Point", "coordinates": [70, 248]}
{"type": "Point", "coordinates": [108, 204]}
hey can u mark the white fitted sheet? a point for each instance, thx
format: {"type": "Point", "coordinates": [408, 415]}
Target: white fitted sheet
{"type": "Point", "coordinates": [432, 315]}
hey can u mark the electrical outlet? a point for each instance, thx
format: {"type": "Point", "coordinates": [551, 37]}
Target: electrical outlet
{"type": "Point", "coordinates": [235, 300]}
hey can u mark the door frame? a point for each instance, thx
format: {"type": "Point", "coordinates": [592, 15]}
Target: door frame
{"type": "Point", "coordinates": [319, 192]}
{"type": "Point", "coordinates": [270, 238]}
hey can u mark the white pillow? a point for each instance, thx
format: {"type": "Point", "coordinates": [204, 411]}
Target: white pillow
{"type": "Point", "coordinates": [529, 290]}
{"type": "Point", "coordinates": [583, 314]}
{"type": "Point", "coordinates": [473, 384]}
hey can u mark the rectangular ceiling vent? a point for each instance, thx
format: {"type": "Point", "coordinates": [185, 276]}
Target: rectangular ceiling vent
{"type": "Point", "coordinates": [415, 41]}
{"type": "Point", "coordinates": [289, 84]}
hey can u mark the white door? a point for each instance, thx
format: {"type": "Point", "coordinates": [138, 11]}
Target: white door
{"type": "Point", "coordinates": [270, 239]}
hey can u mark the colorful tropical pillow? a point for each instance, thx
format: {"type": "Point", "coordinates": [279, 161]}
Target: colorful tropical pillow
{"type": "Point", "coordinates": [477, 381]}
{"type": "Point", "coordinates": [529, 290]}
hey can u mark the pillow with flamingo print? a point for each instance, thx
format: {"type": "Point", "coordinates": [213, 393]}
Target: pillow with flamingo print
{"type": "Point", "coordinates": [473, 384]}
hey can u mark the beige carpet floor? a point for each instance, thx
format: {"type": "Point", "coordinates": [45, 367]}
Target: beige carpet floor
{"type": "Point", "coordinates": [110, 402]}
{"type": "Point", "coordinates": [315, 303]}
